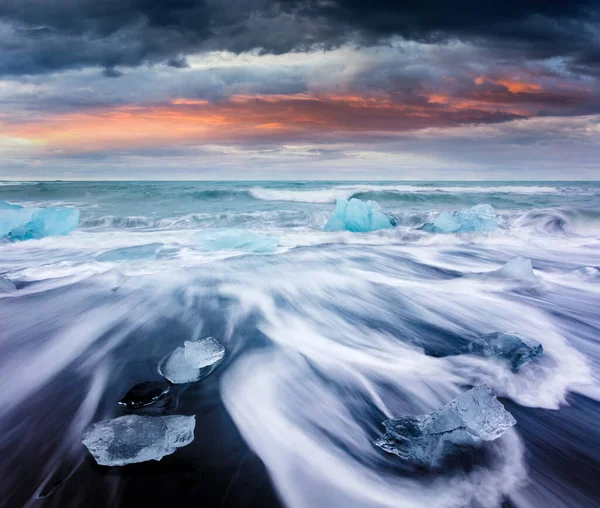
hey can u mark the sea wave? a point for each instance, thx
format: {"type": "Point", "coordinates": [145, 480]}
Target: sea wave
{"type": "Point", "coordinates": [330, 194]}
{"type": "Point", "coordinates": [560, 221]}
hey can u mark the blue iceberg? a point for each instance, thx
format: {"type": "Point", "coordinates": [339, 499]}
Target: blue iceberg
{"type": "Point", "coordinates": [478, 218]}
{"type": "Point", "coordinates": [359, 217]}
{"type": "Point", "coordinates": [511, 347]}
{"type": "Point", "coordinates": [465, 422]}
{"type": "Point", "coordinates": [149, 251]}
{"type": "Point", "coordinates": [235, 239]}
{"type": "Point", "coordinates": [20, 223]}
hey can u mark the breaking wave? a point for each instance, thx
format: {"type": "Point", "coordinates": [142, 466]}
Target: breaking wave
{"type": "Point", "coordinates": [403, 192]}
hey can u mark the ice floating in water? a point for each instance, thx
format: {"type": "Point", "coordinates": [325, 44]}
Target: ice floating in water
{"type": "Point", "coordinates": [203, 353]}
{"type": "Point", "coordinates": [144, 394]}
{"type": "Point", "coordinates": [19, 223]}
{"type": "Point", "coordinates": [190, 363]}
{"type": "Point", "coordinates": [518, 269]}
{"type": "Point", "coordinates": [149, 251]}
{"type": "Point", "coordinates": [237, 239]}
{"type": "Point", "coordinates": [359, 217]}
{"type": "Point", "coordinates": [130, 439]}
{"type": "Point", "coordinates": [478, 218]}
{"type": "Point", "coordinates": [467, 421]}
{"type": "Point", "coordinates": [511, 347]}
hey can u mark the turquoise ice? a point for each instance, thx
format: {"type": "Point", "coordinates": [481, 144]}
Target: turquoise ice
{"type": "Point", "coordinates": [359, 217]}
{"type": "Point", "coordinates": [21, 223]}
{"type": "Point", "coordinates": [478, 218]}
{"type": "Point", "coordinates": [235, 239]}
{"type": "Point", "coordinates": [149, 251]}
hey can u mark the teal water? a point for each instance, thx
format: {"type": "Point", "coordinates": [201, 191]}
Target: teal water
{"type": "Point", "coordinates": [325, 337]}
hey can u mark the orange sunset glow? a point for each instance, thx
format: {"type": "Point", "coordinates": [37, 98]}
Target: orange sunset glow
{"type": "Point", "coordinates": [189, 121]}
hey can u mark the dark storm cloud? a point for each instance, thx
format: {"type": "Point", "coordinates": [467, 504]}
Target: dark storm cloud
{"type": "Point", "coordinates": [38, 36]}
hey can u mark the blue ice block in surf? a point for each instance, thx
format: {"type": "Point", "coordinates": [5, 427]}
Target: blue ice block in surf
{"type": "Point", "coordinates": [359, 217]}
{"type": "Point", "coordinates": [511, 347]}
{"type": "Point", "coordinates": [21, 223]}
{"type": "Point", "coordinates": [149, 251]}
{"type": "Point", "coordinates": [478, 218]}
{"type": "Point", "coordinates": [235, 239]}
{"type": "Point", "coordinates": [467, 421]}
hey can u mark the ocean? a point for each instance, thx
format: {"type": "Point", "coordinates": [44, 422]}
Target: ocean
{"type": "Point", "coordinates": [326, 337]}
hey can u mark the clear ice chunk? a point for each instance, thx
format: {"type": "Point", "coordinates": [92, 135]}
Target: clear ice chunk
{"type": "Point", "coordinates": [190, 363]}
{"type": "Point", "coordinates": [132, 438]}
{"type": "Point", "coordinates": [513, 348]}
{"type": "Point", "coordinates": [478, 218]}
{"type": "Point", "coordinates": [467, 421]}
{"type": "Point", "coordinates": [359, 217]}
{"type": "Point", "coordinates": [235, 239]}
{"type": "Point", "coordinates": [149, 251]}
{"type": "Point", "coordinates": [518, 269]}
{"type": "Point", "coordinates": [203, 352]}
{"type": "Point", "coordinates": [19, 223]}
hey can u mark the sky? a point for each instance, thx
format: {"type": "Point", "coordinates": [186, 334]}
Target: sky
{"type": "Point", "coordinates": [300, 89]}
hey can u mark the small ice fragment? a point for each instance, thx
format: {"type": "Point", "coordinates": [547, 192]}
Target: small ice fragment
{"type": "Point", "coordinates": [235, 239]}
{"type": "Point", "coordinates": [132, 438]}
{"type": "Point", "coordinates": [359, 217]}
{"type": "Point", "coordinates": [473, 417]}
{"type": "Point", "coordinates": [177, 370]}
{"type": "Point", "coordinates": [513, 348]}
{"type": "Point", "coordinates": [149, 251]}
{"type": "Point", "coordinates": [144, 394]}
{"type": "Point", "coordinates": [19, 223]}
{"type": "Point", "coordinates": [518, 269]}
{"type": "Point", "coordinates": [478, 218]}
{"type": "Point", "coordinates": [203, 353]}
{"type": "Point", "coordinates": [6, 286]}
{"type": "Point", "coordinates": [192, 362]}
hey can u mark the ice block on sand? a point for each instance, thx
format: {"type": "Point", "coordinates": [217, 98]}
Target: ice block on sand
{"type": "Point", "coordinates": [132, 438]}
{"type": "Point", "coordinates": [467, 421]}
